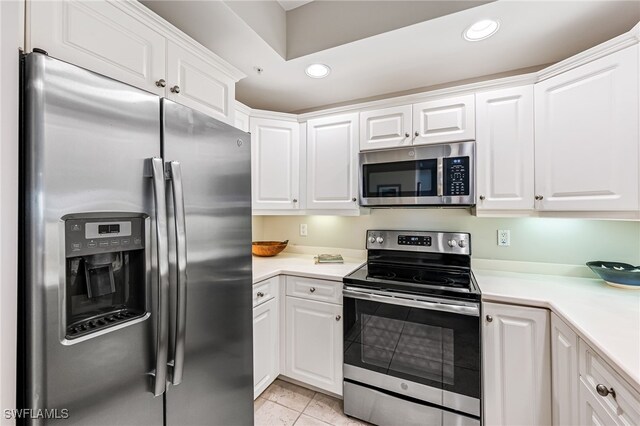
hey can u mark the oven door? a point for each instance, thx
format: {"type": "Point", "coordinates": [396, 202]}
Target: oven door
{"type": "Point", "coordinates": [415, 346]}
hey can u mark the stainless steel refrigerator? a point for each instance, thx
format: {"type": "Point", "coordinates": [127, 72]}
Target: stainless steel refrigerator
{"type": "Point", "coordinates": [135, 284]}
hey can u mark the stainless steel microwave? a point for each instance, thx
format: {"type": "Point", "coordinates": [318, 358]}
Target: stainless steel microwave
{"type": "Point", "coordinates": [429, 175]}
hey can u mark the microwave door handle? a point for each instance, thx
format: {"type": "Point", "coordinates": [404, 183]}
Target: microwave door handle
{"type": "Point", "coordinates": [181, 266]}
{"type": "Point", "coordinates": [440, 177]}
{"type": "Point", "coordinates": [162, 308]}
{"type": "Point", "coordinates": [418, 187]}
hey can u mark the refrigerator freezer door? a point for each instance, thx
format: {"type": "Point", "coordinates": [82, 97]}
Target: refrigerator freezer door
{"type": "Point", "coordinates": [215, 160]}
{"type": "Point", "coordinates": [86, 141]}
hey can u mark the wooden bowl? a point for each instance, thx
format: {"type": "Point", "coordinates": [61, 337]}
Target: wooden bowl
{"type": "Point", "coordinates": [267, 248]}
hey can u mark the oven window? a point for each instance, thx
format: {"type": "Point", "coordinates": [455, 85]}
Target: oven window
{"type": "Point", "coordinates": [401, 179]}
{"type": "Point", "coordinates": [438, 349]}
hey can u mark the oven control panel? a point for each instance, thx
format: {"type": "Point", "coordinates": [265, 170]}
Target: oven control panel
{"type": "Point", "coordinates": [456, 176]}
{"type": "Point", "coordinates": [414, 240]}
{"type": "Point", "coordinates": [420, 241]}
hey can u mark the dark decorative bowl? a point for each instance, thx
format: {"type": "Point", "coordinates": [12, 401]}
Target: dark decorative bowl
{"type": "Point", "coordinates": [617, 274]}
{"type": "Point", "coordinates": [268, 248]}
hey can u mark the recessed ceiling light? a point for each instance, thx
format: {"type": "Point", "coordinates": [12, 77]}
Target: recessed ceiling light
{"type": "Point", "coordinates": [481, 30]}
{"type": "Point", "coordinates": [317, 70]}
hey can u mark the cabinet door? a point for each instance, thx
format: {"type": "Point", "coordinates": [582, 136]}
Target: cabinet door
{"type": "Point", "coordinates": [265, 346]}
{"type": "Point", "coordinates": [332, 162]}
{"type": "Point", "coordinates": [198, 84]}
{"type": "Point", "coordinates": [592, 412]}
{"type": "Point", "coordinates": [564, 378]}
{"type": "Point", "coordinates": [385, 128]}
{"type": "Point", "coordinates": [275, 164]}
{"type": "Point", "coordinates": [444, 120]}
{"type": "Point", "coordinates": [517, 374]}
{"type": "Point", "coordinates": [587, 136]}
{"type": "Point", "coordinates": [98, 36]}
{"type": "Point", "coordinates": [504, 147]}
{"type": "Point", "coordinates": [314, 343]}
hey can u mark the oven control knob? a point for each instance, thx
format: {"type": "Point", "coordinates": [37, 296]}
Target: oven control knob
{"type": "Point", "coordinates": [462, 243]}
{"type": "Point", "coordinates": [372, 240]}
{"type": "Point", "coordinates": [380, 240]}
{"type": "Point", "coordinates": [452, 243]}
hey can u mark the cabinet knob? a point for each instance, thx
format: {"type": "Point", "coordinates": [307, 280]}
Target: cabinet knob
{"type": "Point", "coordinates": [482, 198]}
{"type": "Point", "coordinates": [539, 197]}
{"type": "Point", "coordinates": [312, 289]}
{"type": "Point", "coordinates": [489, 318]}
{"type": "Point", "coordinates": [175, 89]}
{"type": "Point", "coordinates": [604, 391]}
{"type": "Point", "coordinates": [354, 199]}
{"type": "Point", "coordinates": [406, 135]}
{"type": "Point", "coordinates": [260, 294]}
{"type": "Point", "coordinates": [338, 317]}
{"type": "Point", "coordinates": [161, 83]}
{"type": "Point", "coordinates": [295, 200]}
{"type": "Point", "coordinates": [417, 133]}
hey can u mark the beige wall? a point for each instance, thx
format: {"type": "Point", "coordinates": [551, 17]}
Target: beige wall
{"type": "Point", "coordinates": [566, 241]}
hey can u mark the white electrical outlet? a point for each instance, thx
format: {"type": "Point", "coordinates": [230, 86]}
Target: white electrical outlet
{"type": "Point", "coordinates": [504, 237]}
{"type": "Point", "coordinates": [303, 229]}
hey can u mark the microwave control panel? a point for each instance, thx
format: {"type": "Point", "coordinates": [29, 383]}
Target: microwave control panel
{"type": "Point", "coordinates": [456, 176]}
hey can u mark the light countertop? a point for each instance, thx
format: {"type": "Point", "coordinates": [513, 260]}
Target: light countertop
{"type": "Point", "coordinates": [607, 318]}
{"type": "Point", "coordinates": [302, 265]}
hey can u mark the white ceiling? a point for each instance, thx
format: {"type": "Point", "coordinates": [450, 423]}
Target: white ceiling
{"type": "Point", "coordinates": [406, 59]}
{"type": "Point", "coordinates": [292, 4]}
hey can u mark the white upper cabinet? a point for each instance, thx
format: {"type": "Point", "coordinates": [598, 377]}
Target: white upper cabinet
{"type": "Point", "coordinates": [332, 162]}
{"type": "Point", "coordinates": [241, 120]}
{"type": "Point", "coordinates": [128, 42]}
{"type": "Point", "coordinates": [275, 159]}
{"type": "Point", "coordinates": [198, 84]}
{"type": "Point", "coordinates": [444, 120]}
{"type": "Point", "coordinates": [504, 148]}
{"type": "Point", "coordinates": [587, 136]}
{"type": "Point", "coordinates": [98, 36]}
{"type": "Point", "coordinates": [385, 128]}
{"type": "Point", "coordinates": [516, 366]}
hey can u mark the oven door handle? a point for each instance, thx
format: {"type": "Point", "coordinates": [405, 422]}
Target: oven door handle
{"type": "Point", "coordinates": [395, 299]}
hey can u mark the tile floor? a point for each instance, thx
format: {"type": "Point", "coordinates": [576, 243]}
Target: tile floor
{"type": "Point", "coordinates": [286, 404]}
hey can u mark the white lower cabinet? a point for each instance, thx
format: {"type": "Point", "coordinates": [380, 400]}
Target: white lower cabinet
{"type": "Point", "coordinates": [313, 342]}
{"type": "Point", "coordinates": [516, 364]}
{"type": "Point", "coordinates": [266, 337]}
{"type": "Point", "coordinates": [564, 373]}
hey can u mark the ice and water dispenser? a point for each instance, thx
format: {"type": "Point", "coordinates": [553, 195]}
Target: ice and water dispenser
{"type": "Point", "coordinates": [105, 277]}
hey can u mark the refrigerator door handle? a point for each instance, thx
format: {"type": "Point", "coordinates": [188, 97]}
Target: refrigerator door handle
{"type": "Point", "coordinates": [162, 309]}
{"type": "Point", "coordinates": [181, 266]}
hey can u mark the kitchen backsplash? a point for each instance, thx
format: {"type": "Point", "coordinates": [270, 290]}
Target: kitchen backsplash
{"type": "Point", "coordinates": [565, 241]}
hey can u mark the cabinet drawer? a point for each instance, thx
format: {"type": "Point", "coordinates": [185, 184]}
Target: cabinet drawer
{"type": "Point", "coordinates": [265, 290]}
{"type": "Point", "coordinates": [309, 288]}
{"type": "Point", "coordinates": [594, 371]}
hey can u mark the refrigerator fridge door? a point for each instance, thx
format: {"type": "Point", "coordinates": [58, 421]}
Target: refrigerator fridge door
{"type": "Point", "coordinates": [89, 280]}
{"type": "Point", "coordinates": [216, 382]}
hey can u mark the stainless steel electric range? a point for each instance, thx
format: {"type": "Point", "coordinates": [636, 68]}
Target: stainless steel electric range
{"type": "Point", "coordinates": [412, 331]}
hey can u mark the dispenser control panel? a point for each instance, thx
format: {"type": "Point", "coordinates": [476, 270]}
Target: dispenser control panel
{"type": "Point", "coordinates": [93, 236]}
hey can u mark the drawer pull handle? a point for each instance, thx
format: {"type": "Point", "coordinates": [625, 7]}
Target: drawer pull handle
{"type": "Point", "coordinates": [312, 289]}
{"type": "Point", "coordinates": [338, 317]}
{"type": "Point", "coordinates": [604, 391]}
{"type": "Point", "coordinates": [260, 294]}
{"type": "Point", "coordinates": [489, 318]}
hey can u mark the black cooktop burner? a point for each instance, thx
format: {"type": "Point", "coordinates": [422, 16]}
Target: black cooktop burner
{"type": "Point", "coordinates": [446, 282]}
